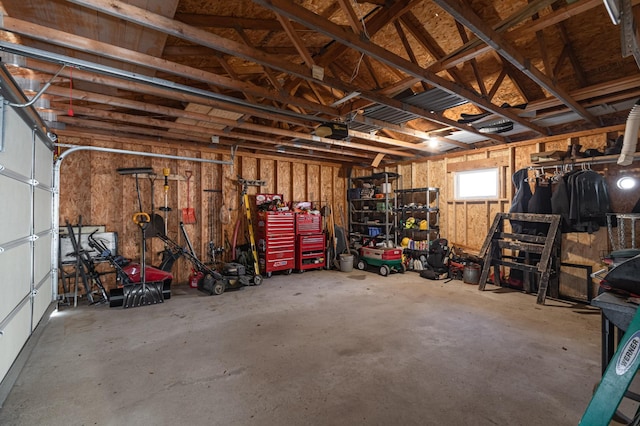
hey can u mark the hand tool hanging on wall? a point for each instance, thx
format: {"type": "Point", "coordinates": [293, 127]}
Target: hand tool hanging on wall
{"type": "Point", "coordinates": [188, 213]}
{"type": "Point", "coordinates": [166, 209]}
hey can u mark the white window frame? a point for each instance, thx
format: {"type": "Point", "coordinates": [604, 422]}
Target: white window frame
{"type": "Point", "coordinates": [470, 177]}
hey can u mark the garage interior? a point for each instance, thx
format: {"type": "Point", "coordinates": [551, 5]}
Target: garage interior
{"type": "Point", "coordinates": [425, 294]}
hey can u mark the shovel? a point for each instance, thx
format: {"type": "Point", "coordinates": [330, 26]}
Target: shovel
{"type": "Point", "coordinates": [188, 214]}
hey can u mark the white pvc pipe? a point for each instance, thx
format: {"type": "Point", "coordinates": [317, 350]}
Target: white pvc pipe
{"type": "Point", "coordinates": [630, 136]}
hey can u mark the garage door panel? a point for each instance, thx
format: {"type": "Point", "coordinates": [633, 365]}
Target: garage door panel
{"type": "Point", "coordinates": [15, 334]}
{"type": "Point", "coordinates": [18, 143]}
{"type": "Point", "coordinates": [43, 168]}
{"type": "Point", "coordinates": [17, 210]}
{"type": "Point", "coordinates": [15, 265]}
{"type": "Point", "coordinates": [42, 257]}
{"type": "Point", "coordinates": [42, 210]}
{"type": "Point", "coordinates": [42, 299]}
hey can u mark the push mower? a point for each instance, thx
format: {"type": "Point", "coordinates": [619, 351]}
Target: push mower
{"type": "Point", "coordinates": [232, 275]}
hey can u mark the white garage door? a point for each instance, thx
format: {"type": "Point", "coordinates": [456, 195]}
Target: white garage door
{"type": "Point", "coordinates": [26, 225]}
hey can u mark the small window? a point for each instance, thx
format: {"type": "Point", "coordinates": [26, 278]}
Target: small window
{"type": "Point", "coordinates": [474, 184]}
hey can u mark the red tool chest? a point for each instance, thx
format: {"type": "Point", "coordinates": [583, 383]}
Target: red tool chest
{"type": "Point", "coordinates": [276, 242]}
{"type": "Point", "coordinates": [307, 223]}
{"type": "Point", "coordinates": [310, 251]}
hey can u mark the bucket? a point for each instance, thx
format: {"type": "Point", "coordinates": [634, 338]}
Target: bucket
{"type": "Point", "coordinates": [471, 273]}
{"type": "Point", "coordinates": [346, 262]}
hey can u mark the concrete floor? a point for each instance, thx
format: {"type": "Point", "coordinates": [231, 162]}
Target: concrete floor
{"type": "Point", "coordinates": [319, 348]}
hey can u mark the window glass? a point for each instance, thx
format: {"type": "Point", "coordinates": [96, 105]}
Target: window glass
{"type": "Point", "coordinates": [475, 184]}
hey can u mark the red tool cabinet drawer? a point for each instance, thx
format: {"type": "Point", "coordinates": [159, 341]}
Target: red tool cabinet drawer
{"type": "Point", "coordinates": [310, 251]}
{"type": "Point", "coordinates": [308, 223]}
{"type": "Point", "coordinates": [276, 222]}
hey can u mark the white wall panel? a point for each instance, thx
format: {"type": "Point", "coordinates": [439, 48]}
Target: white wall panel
{"type": "Point", "coordinates": [43, 172]}
{"type": "Point", "coordinates": [16, 209]}
{"type": "Point", "coordinates": [15, 284]}
{"type": "Point", "coordinates": [42, 258]}
{"type": "Point", "coordinates": [42, 210]}
{"type": "Point", "coordinates": [18, 142]}
{"type": "Point", "coordinates": [14, 336]}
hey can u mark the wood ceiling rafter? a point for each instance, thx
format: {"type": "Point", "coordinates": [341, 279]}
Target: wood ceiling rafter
{"type": "Point", "coordinates": [475, 48]}
{"type": "Point", "coordinates": [408, 48]}
{"type": "Point", "coordinates": [297, 42]}
{"type": "Point", "coordinates": [372, 72]}
{"type": "Point", "coordinates": [428, 42]}
{"type": "Point", "coordinates": [178, 29]}
{"type": "Point", "coordinates": [178, 113]}
{"type": "Point", "coordinates": [319, 24]}
{"type": "Point", "coordinates": [568, 44]}
{"type": "Point", "coordinates": [474, 63]}
{"type": "Point", "coordinates": [542, 45]}
{"type": "Point", "coordinates": [352, 16]}
{"type": "Point", "coordinates": [201, 133]}
{"type": "Point", "coordinates": [172, 144]}
{"type": "Point", "coordinates": [117, 53]}
{"type": "Point", "coordinates": [257, 55]}
{"type": "Point", "coordinates": [472, 21]}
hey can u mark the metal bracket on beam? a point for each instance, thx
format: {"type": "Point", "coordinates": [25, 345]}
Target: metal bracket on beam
{"type": "Point", "coordinates": [628, 36]}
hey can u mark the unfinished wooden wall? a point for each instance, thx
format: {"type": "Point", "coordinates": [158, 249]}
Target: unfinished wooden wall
{"type": "Point", "coordinates": [465, 223]}
{"type": "Point", "coordinates": [91, 188]}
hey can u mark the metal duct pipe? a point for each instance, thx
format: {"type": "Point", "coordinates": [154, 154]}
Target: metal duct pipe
{"type": "Point", "coordinates": [56, 187]}
{"type": "Point", "coordinates": [630, 136]}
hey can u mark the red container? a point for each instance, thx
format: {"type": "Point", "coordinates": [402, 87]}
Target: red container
{"type": "Point", "coordinates": [194, 278]}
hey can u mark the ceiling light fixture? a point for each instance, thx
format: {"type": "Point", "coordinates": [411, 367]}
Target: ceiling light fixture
{"type": "Point", "coordinates": [626, 183]}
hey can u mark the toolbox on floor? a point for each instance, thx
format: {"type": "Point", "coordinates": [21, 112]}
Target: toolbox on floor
{"type": "Point", "coordinates": [310, 251]}
{"type": "Point", "coordinates": [276, 242]}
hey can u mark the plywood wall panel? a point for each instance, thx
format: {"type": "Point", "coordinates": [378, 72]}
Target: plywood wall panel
{"type": "Point", "coordinates": [250, 172]}
{"type": "Point", "coordinates": [267, 172]}
{"type": "Point", "coordinates": [476, 156]}
{"type": "Point", "coordinates": [407, 177]}
{"type": "Point", "coordinates": [339, 189]}
{"type": "Point", "coordinates": [313, 183]}
{"type": "Point", "coordinates": [598, 142]}
{"type": "Point", "coordinates": [326, 185]}
{"type": "Point", "coordinates": [75, 186]}
{"type": "Point", "coordinates": [419, 176]}
{"type": "Point", "coordinates": [298, 177]}
{"type": "Point", "coordinates": [284, 183]}
{"type": "Point", "coordinates": [523, 156]}
{"type": "Point", "coordinates": [584, 249]}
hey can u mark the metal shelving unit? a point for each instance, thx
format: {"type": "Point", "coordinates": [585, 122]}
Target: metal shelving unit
{"type": "Point", "coordinates": [413, 207]}
{"type": "Point", "coordinates": [372, 216]}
